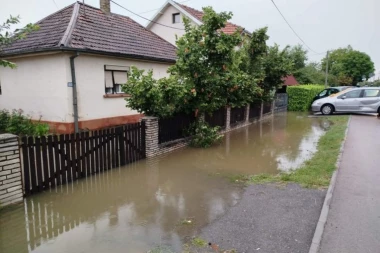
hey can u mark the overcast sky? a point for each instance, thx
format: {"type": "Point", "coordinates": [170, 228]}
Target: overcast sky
{"type": "Point", "coordinates": [322, 24]}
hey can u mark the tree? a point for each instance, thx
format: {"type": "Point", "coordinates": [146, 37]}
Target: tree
{"type": "Point", "coordinates": [7, 37]}
{"type": "Point", "coordinates": [266, 65]}
{"type": "Point", "coordinates": [298, 55]}
{"type": "Point", "coordinates": [277, 65]}
{"type": "Point", "coordinates": [349, 65]}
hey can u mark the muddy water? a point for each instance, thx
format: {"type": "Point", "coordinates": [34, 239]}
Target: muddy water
{"type": "Point", "coordinates": [162, 201]}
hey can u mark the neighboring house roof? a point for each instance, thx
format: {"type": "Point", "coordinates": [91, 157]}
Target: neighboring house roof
{"type": "Point", "coordinates": [290, 80]}
{"type": "Point", "coordinates": [228, 29]}
{"type": "Point", "coordinates": [83, 28]}
{"type": "Point", "coordinates": [194, 15]}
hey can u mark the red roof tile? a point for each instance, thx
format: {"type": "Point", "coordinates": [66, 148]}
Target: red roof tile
{"type": "Point", "coordinates": [230, 28]}
{"type": "Point", "coordinates": [95, 32]}
{"type": "Point", "coordinates": [290, 80]}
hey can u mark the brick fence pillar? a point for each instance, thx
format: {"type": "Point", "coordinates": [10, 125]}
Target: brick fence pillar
{"type": "Point", "coordinates": [247, 108]}
{"type": "Point", "coordinates": [10, 170]}
{"type": "Point", "coordinates": [262, 110]}
{"type": "Point", "coordinates": [151, 136]}
{"type": "Point", "coordinates": [228, 118]}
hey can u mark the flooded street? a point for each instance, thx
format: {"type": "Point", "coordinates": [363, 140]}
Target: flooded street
{"type": "Point", "coordinates": [160, 201]}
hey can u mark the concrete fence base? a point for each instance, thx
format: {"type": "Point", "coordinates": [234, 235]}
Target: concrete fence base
{"type": "Point", "coordinates": [10, 170]}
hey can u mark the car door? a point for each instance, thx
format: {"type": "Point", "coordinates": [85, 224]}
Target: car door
{"type": "Point", "coordinates": [370, 100]}
{"type": "Point", "coordinates": [349, 101]}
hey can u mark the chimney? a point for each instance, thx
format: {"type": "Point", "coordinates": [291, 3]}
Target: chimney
{"type": "Point", "coordinates": [105, 6]}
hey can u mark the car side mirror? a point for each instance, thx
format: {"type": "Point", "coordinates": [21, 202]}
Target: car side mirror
{"type": "Point", "coordinates": [343, 97]}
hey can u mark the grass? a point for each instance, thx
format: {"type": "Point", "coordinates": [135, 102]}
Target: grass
{"type": "Point", "coordinates": [316, 172]}
{"type": "Point", "coordinates": [199, 242]}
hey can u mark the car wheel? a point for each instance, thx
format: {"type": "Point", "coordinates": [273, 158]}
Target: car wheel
{"type": "Point", "coordinates": [327, 110]}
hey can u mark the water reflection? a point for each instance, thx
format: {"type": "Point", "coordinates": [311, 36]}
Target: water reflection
{"type": "Point", "coordinates": [135, 208]}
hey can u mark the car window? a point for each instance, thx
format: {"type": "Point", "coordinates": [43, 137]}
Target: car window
{"type": "Point", "coordinates": [353, 94]}
{"type": "Point", "coordinates": [333, 91]}
{"type": "Point", "coordinates": [371, 93]}
{"type": "Point", "coordinates": [323, 93]}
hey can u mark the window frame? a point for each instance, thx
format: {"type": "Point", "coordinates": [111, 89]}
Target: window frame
{"type": "Point", "coordinates": [112, 69]}
{"type": "Point", "coordinates": [345, 94]}
{"type": "Point", "coordinates": [378, 93]}
{"type": "Point", "coordinates": [174, 15]}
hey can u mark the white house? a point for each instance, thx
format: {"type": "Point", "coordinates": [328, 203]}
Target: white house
{"type": "Point", "coordinates": [168, 21]}
{"type": "Point", "coordinates": [69, 71]}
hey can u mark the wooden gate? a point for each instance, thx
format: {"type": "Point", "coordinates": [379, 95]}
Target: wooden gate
{"type": "Point", "coordinates": [58, 159]}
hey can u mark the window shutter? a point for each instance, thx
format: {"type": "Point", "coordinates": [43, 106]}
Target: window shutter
{"type": "Point", "coordinates": [108, 79]}
{"type": "Point", "coordinates": [120, 77]}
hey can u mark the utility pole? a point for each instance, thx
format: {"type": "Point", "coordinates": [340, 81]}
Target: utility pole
{"type": "Point", "coordinates": [327, 68]}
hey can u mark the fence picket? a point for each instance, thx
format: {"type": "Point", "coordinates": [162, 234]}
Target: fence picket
{"type": "Point", "coordinates": [45, 164]}
{"type": "Point", "coordinates": [38, 163]}
{"type": "Point", "coordinates": [57, 160]}
{"type": "Point", "coordinates": [25, 156]}
{"type": "Point", "coordinates": [51, 161]}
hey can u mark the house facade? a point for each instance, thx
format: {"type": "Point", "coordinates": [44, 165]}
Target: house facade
{"type": "Point", "coordinates": [69, 73]}
{"type": "Point", "coordinates": [168, 21]}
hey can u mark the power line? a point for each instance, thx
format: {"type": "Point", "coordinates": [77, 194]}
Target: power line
{"type": "Point", "coordinates": [146, 18]}
{"type": "Point", "coordinates": [160, 8]}
{"type": "Point", "coordinates": [293, 29]}
{"type": "Point", "coordinates": [56, 4]}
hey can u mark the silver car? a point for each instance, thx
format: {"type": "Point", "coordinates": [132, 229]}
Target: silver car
{"type": "Point", "coordinates": [366, 100]}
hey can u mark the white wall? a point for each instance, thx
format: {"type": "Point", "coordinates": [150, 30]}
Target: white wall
{"type": "Point", "coordinates": [90, 86]}
{"type": "Point", "coordinates": [38, 86]}
{"type": "Point", "coordinates": [167, 33]}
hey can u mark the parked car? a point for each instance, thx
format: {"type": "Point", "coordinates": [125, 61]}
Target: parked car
{"type": "Point", "coordinates": [365, 100]}
{"type": "Point", "coordinates": [329, 91]}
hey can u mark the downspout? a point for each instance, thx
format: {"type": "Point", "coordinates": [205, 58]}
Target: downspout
{"type": "Point", "coordinates": [75, 96]}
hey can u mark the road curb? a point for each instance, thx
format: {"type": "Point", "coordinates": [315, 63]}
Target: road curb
{"type": "Point", "coordinates": [317, 238]}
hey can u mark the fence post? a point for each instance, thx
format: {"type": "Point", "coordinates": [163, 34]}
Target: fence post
{"type": "Point", "coordinates": [262, 110]}
{"type": "Point", "coordinates": [151, 136]}
{"type": "Point", "coordinates": [273, 106]}
{"type": "Point", "coordinates": [247, 109]}
{"type": "Point", "coordinates": [10, 170]}
{"type": "Point", "coordinates": [228, 118]}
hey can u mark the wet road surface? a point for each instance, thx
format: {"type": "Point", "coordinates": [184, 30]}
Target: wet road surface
{"type": "Point", "coordinates": [149, 203]}
{"type": "Point", "coordinates": [353, 223]}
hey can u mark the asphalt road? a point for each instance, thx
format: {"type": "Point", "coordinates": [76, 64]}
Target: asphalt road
{"type": "Point", "coordinates": [269, 218]}
{"type": "Point", "coordinates": [353, 224]}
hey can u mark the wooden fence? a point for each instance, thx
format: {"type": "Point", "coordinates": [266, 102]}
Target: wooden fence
{"type": "Point", "coordinates": [174, 128]}
{"type": "Point", "coordinates": [255, 110]}
{"type": "Point", "coordinates": [217, 118]}
{"type": "Point", "coordinates": [237, 115]}
{"type": "Point", "coordinates": [267, 108]}
{"type": "Point", "coordinates": [59, 159]}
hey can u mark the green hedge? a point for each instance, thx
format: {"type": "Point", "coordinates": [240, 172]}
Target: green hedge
{"type": "Point", "coordinates": [301, 96]}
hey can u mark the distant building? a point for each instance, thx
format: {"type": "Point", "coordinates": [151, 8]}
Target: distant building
{"type": "Point", "coordinates": [172, 13]}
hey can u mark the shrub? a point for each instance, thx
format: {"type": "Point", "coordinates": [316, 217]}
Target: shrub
{"type": "Point", "coordinates": [19, 124]}
{"type": "Point", "coordinates": [203, 135]}
{"type": "Point", "coordinates": [301, 96]}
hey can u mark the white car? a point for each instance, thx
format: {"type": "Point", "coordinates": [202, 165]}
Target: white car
{"type": "Point", "coordinates": [359, 100]}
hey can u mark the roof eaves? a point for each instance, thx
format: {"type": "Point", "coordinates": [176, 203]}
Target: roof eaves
{"type": "Point", "coordinates": [70, 49]}
{"type": "Point", "coordinates": [69, 30]}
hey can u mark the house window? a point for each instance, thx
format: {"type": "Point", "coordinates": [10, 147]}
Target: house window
{"type": "Point", "coordinates": [176, 18]}
{"type": "Point", "coordinates": [114, 78]}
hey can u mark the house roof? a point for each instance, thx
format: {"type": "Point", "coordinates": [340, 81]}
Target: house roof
{"type": "Point", "coordinates": [83, 28]}
{"type": "Point", "coordinates": [230, 28]}
{"type": "Point", "coordinates": [194, 15]}
{"type": "Point", "coordinates": [290, 81]}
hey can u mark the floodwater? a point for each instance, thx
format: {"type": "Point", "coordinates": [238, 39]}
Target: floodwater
{"type": "Point", "coordinates": [161, 201]}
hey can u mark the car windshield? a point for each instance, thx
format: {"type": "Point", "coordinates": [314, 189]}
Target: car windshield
{"type": "Point", "coordinates": [341, 92]}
